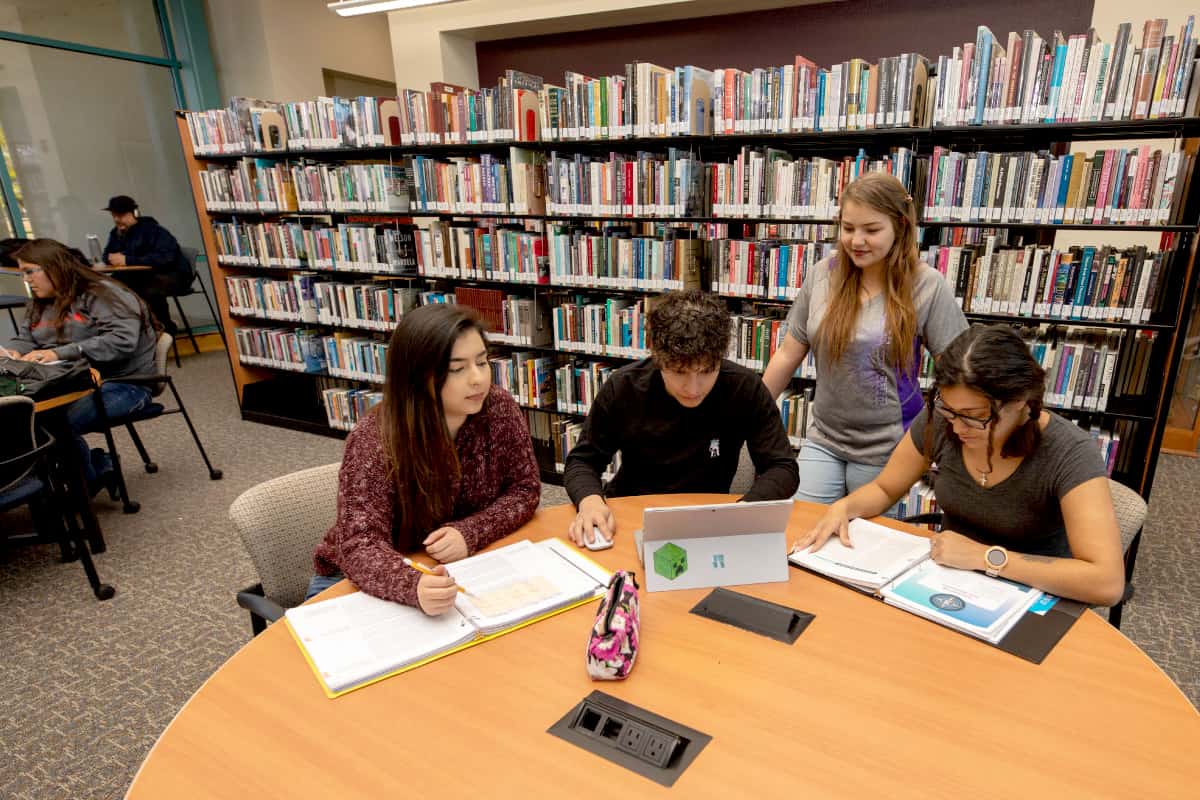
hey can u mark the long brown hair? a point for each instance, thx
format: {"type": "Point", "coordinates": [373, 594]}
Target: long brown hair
{"type": "Point", "coordinates": [71, 279]}
{"type": "Point", "coordinates": [421, 459]}
{"type": "Point", "coordinates": [994, 361]}
{"type": "Point", "coordinates": [885, 194]}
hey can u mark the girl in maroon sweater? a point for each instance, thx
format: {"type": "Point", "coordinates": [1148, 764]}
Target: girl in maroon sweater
{"type": "Point", "coordinates": [444, 463]}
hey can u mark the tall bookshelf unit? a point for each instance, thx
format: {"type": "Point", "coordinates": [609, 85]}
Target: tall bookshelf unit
{"type": "Point", "coordinates": [291, 399]}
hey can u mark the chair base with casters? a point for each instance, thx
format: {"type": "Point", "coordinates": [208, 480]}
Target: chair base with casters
{"type": "Point", "coordinates": [156, 383]}
{"type": "Point", "coordinates": [26, 478]}
{"type": "Point", "coordinates": [280, 523]}
{"type": "Point", "coordinates": [1130, 509]}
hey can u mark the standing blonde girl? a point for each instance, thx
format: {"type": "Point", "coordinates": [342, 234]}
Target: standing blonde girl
{"type": "Point", "coordinates": [866, 313]}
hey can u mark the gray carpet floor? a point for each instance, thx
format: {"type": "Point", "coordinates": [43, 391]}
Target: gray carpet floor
{"type": "Point", "coordinates": [87, 687]}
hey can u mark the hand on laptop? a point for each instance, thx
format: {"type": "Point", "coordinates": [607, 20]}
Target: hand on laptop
{"type": "Point", "coordinates": [835, 521]}
{"type": "Point", "coordinates": [593, 513]}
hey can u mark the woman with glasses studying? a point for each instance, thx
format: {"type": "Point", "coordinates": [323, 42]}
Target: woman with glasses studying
{"type": "Point", "coordinates": [1023, 491]}
{"type": "Point", "coordinates": [445, 463]}
{"type": "Point", "coordinates": [75, 312]}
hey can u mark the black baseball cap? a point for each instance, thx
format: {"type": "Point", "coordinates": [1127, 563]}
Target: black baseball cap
{"type": "Point", "coordinates": [121, 204]}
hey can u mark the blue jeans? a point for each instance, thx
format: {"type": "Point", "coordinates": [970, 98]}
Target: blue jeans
{"type": "Point", "coordinates": [119, 399]}
{"type": "Point", "coordinates": [320, 583]}
{"type": "Point", "coordinates": [826, 478]}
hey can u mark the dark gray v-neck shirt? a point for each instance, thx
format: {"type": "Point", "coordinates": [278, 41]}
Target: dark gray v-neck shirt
{"type": "Point", "coordinates": [1022, 512]}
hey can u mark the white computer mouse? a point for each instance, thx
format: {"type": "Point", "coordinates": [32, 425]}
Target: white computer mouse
{"type": "Point", "coordinates": [598, 541]}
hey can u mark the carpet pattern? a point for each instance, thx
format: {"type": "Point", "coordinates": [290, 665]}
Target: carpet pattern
{"type": "Point", "coordinates": [87, 687]}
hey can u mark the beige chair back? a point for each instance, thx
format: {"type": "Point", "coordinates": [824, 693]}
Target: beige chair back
{"type": "Point", "coordinates": [1131, 511]}
{"type": "Point", "coordinates": [281, 521]}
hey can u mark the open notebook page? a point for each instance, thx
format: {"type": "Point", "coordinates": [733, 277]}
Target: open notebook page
{"type": "Point", "coordinates": [356, 637]}
{"type": "Point", "coordinates": [520, 582]}
{"type": "Point", "coordinates": [879, 554]}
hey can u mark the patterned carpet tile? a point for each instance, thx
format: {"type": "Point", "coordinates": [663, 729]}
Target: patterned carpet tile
{"type": "Point", "coordinates": [87, 687]}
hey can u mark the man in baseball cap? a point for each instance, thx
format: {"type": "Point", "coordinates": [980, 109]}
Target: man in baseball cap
{"type": "Point", "coordinates": [137, 240]}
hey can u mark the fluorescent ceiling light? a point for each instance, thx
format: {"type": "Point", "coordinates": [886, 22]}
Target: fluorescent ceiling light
{"type": "Point", "coordinates": [351, 8]}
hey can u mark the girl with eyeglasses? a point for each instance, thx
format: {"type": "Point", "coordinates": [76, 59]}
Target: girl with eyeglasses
{"type": "Point", "coordinates": [74, 313]}
{"type": "Point", "coordinates": [866, 314]}
{"type": "Point", "coordinates": [1024, 492]}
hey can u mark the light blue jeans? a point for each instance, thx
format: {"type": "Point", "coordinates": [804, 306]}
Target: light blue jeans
{"type": "Point", "coordinates": [826, 478]}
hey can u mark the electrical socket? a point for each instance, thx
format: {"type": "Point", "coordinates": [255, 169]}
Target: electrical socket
{"type": "Point", "coordinates": [632, 738]}
{"type": "Point", "coordinates": [659, 747]}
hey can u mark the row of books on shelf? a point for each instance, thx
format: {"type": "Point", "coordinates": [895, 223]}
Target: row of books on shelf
{"type": "Point", "coordinates": [1134, 185]}
{"type": "Point", "coordinates": [1076, 78]}
{"type": "Point", "coordinates": [1077, 283]}
{"type": "Point", "coordinates": [1027, 79]}
{"type": "Point", "coordinates": [350, 247]}
{"type": "Point", "coordinates": [561, 434]}
{"type": "Point", "coordinates": [256, 185]}
{"type": "Point", "coordinates": [1114, 186]}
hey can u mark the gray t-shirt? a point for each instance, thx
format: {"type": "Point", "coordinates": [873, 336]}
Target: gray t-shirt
{"type": "Point", "coordinates": [1021, 512]}
{"type": "Point", "coordinates": [863, 404]}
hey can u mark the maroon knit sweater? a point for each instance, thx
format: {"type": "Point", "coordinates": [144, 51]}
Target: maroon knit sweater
{"type": "Point", "coordinates": [497, 492]}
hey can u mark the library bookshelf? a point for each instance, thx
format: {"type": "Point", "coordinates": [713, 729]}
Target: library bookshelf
{"type": "Point", "coordinates": [290, 397]}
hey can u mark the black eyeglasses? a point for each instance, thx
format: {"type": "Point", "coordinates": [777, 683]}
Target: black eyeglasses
{"type": "Point", "coordinates": [970, 422]}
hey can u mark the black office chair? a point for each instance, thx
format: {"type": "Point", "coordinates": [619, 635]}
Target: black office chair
{"type": "Point", "coordinates": [27, 479]}
{"type": "Point", "coordinates": [190, 253]}
{"type": "Point", "coordinates": [156, 383]}
{"type": "Point", "coordinates": [1131, 517]}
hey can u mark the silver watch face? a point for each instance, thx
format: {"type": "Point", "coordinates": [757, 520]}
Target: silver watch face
{"type": "Point", "coordinates": [995, 558]}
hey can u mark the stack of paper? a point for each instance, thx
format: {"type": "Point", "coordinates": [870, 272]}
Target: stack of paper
{"type": "Point", "coordinates": [878, 556]}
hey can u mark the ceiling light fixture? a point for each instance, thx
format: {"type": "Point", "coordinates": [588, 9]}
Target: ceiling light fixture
{"type": "Point", "coordinates": [352, 8]}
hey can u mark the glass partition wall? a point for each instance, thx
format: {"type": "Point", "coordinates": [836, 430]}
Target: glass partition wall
{"type": "Point", "coordinates": [88, 93]}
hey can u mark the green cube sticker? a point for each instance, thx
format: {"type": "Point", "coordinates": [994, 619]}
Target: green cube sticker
{"type": "Point", "coordinates": [670, 561]}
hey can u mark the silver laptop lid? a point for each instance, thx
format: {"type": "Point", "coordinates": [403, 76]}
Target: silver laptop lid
{"type": "Point", "coordinates": [725, 519]}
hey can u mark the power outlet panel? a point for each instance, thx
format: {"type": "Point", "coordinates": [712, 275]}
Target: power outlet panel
{"type": "Point", "coordinates": [640, 740]}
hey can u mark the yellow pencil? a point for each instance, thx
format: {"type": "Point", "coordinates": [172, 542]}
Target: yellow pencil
{"type": "Point", "coordinates": [419, 567]}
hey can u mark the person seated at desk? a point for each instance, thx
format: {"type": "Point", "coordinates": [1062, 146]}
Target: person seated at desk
{"type": "Point", "coordinates": [77, 313]}
{"type": "Point", "coordinates": [445, 463]}
{"type": "Point", "coordinates": [140, 241]}
{"type": "Point", "coordinates": [679, 419]}
{"type": "Point", "coordinates": [1007, 475]}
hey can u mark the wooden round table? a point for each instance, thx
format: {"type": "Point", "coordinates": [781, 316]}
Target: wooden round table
{"type": "Point", "coordinates": [870, 701]}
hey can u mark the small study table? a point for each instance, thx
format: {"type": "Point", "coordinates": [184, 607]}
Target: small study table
{"type": "Point", "coordinates": [870, 701]}
{"type": "Point", "coordinates": [51, 417]}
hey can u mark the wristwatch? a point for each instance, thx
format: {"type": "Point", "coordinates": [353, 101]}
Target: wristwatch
{"type": "Point", "coordinates": [995, 558]}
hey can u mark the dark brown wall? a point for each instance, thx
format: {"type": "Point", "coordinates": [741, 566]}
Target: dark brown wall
{"type": "Point", "coordinates": [826, 33]}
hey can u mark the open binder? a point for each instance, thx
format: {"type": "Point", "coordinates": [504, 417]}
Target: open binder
{"type": "Point", "coordinates": [896, 567]}
{"type": "Point", "coordinates": [356, 639]}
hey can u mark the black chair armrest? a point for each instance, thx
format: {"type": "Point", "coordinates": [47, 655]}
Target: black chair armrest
{"type": "Point", "coordinates": [252, 600]}
{"type": "Point", "coordinates": [932, 518]}
{"type": "Point", "coordinates": [143, 380]}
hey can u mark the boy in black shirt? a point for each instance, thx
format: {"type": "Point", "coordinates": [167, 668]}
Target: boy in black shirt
{"type": "Point", "coordinates": [679, 419]}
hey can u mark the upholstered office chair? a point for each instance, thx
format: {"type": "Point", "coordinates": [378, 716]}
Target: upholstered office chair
{"type": "Point", "coordinates": [27, 478]}
{"type": "Point", "coordinates": [191, 253]}
{"type": "Point", "coordinates": [1131, 516]}
{"type": "Point", "coordinates": [156, 383]}
{"type": "Point", "coordinates": [281, 521]}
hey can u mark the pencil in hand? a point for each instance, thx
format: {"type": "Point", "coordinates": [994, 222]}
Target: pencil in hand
{"type": "Point", "coordinates": [419, 567]}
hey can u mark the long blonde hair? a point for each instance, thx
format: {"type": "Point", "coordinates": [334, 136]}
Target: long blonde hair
{"type": "Point", "coordinates": [885, 194]}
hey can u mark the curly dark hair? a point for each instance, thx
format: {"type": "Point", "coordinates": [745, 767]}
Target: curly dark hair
{"type": "Point", "coordinates": [688, 329]}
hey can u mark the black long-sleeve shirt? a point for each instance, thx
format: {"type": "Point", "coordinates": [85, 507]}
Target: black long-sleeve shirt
{"type": "Point", "coordinates": [667, 448]}
{"type": "Point", "coordinates": [148, 244]}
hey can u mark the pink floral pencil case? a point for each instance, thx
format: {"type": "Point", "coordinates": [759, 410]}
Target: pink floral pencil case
{"type": "Point", "coordinates": [613, 644]}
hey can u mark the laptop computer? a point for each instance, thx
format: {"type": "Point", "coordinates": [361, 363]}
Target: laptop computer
{"type": "Point", "coordinates": [12, 285]}
{"type": "Point", "coordinates": [692, 547]}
